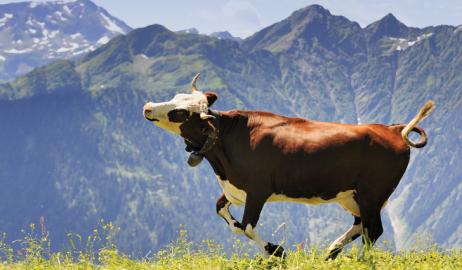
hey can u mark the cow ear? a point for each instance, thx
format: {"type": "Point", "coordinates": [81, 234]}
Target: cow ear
{"type": "Point", "coordinates": [211, 98]}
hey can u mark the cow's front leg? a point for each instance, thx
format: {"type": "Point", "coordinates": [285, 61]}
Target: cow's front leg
{"type": "Point", "coordinates": [253, 206]}
{"type": "Point", "coordinates": [336, 247]}
{"type": "Point", "coordinates": [223, 211]}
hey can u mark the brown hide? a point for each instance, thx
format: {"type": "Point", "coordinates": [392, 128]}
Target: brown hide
{"type": "Point", "coordinates": [264, 153]}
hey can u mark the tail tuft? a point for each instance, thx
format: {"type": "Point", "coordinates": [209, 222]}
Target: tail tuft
{"type": "Point", "coordinates": [412, 126]}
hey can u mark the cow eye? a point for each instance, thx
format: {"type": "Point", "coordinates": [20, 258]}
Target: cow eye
{"type": "Point", "coordinates": [178, 116]}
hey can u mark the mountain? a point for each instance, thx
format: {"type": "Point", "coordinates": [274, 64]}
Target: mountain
{"type": "Point", "coordinates": [74, 147]}
{"type": "Point", "coordinates": [36, 33]}
{"type": "Point", "coordinates": [189, 31]}
{"type": "Point", "coordinates": [388, 26]}
{"type": "Point", "coordinates": [225, 35]}
{"type": "Point", "coordinates": [219, 35]}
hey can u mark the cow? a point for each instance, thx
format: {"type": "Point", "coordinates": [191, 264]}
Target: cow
{"type": "Point", "coordinates": [261, 157]}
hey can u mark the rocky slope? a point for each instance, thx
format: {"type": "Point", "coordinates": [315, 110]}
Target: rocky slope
{"type": "Point", "coordinates": [36, 33]}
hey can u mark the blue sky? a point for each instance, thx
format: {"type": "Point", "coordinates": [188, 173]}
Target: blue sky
{"type": "Point", "coordinates": [245, 17]}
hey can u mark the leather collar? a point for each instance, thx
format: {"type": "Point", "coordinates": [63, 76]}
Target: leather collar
{"type": "Point", "coordinates": [196, 157]}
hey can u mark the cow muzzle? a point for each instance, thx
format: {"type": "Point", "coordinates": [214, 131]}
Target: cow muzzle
{"type": "Point", "coordinates": [148, 113]}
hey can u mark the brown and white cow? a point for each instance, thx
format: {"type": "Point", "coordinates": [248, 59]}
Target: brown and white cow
{"type": "Point", "coordinates": [261, 157]}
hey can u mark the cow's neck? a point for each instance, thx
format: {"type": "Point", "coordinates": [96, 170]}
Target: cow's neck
{"type": "Point", "coordinates": [230, 123]}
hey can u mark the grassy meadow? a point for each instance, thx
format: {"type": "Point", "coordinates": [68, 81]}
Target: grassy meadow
{"type": "Point", "coordinates": [98, 251]}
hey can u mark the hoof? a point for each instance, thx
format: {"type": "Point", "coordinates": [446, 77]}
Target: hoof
{"type": "Point", "coordinates": [333, 254]}
{"type": "Point", "coordinates": [275, 250]}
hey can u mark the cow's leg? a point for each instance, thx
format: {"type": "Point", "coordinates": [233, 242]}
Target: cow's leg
{"type": "Point", "coordinates": [354, 232]}
{"type": "Point", "coordinates": [373, 191]}
{"type": "Point", "coordinates": [369, 206]}
{"type": "Point", "coordinates": [372, 226]}
{"type": "Point", "coordinates": [253, 206]}
{"type": "Point", "coordinates": [223, 211]}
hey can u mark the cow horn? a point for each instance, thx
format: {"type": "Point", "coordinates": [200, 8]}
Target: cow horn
{"type": "Point", "coordinates": [193, 82]}
{"type": "Point", "coordinates": [205, 116]}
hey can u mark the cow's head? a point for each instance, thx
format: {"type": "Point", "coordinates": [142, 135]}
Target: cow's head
{"type": "Point", "coordinates": [185, 114]}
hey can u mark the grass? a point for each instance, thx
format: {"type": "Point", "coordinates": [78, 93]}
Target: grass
{"type": "Point", "coordinates": [34, 253]}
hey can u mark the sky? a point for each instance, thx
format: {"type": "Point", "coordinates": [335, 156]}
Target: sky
{"type": "Point", "coordinates": [245, 17]}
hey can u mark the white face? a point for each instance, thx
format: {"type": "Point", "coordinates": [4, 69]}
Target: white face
{"type": "Point", "coordinates": [168, 115]}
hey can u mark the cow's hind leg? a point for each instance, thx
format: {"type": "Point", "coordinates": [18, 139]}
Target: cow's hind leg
{"type": "Point", "coordinates": [370, 205]}
{"type": "Point", "coordinates": [253, 206]}
{"type": "Point", "coordinates": [373, 190]}
{"type": "Point", "coordinates": [372, 226]}
{"type": "Point", "coordinates": [223, 211]}
{"type": "Point", "coordinates": [354, 232]}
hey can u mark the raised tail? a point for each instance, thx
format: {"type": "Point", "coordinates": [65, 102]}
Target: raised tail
{"type": "Point", "coordinates": [412, 126]}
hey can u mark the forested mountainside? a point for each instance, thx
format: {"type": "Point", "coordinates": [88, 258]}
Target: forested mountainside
{"type": "Point", "coordinates": [75, 147]}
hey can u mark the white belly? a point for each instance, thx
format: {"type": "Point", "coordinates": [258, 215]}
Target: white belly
{"type": "Point", "coordinates": [238, 197]}
{"type": "Point", "coordinates": [314, 200]}
{"type": "Point", "coordinates": [235, 195]}
{"type": "Point", "coordinates": [344, 198]}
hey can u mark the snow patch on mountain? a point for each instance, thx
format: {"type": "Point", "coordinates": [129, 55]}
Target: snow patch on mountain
{"type": "Point", "coordinates": [458, 29]}
{"type": "Point", "coordinates": [71, 47]}
{"type": "Point", "coordinates": [67, 9]}
{"type": "Point", "coordinates": [189, 31]}
{"type": "Point", "coordinates": [14, 51]}
{"type": "Point", "coordinates": [6, 17]}
{"type": "Point", "coordinates": [103, 40]}
{"type": "Point", "coordinates": [35, 4]}
{"type": "Point", "coordinates": [61, 17]}
{"type": "Point", "coordinates": [76, 35]}
{"type": "Point", "coordinates": [84, 50]}
{"type": "Point", "coordinates": [402, 44]}
{"type": "Point", "coordinates": [111, 25]}
{"type": "Point", "coordinates": [53, 34]}
{"type": "Point", "coordinates": [225, 35]}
